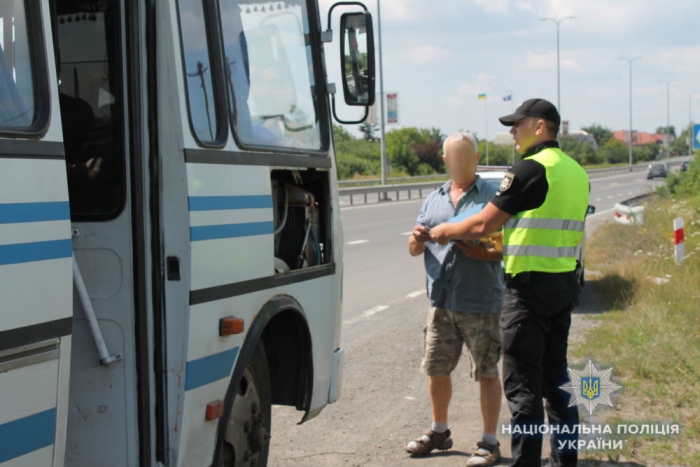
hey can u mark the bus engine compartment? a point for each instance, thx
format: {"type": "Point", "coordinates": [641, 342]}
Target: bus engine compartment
{"type": "Point", "coordinates": [302, 223]}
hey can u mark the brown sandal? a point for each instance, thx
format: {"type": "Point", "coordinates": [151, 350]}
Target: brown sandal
{"type": "Point", "coordinates": [485, 454]}
{"type": "Point", "coordinates": [441, 441]}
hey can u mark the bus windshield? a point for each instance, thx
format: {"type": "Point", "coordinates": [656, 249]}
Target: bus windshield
{"type": "Point", "coordinates": [270, 74]}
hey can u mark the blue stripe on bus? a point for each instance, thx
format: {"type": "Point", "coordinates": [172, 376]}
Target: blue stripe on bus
{"type": "Point", "coordinates": [34, 212]}
{"type": "Point", "coordinates": [216, 203]}
{"type": "Point", "coordinates": [212, 232]}
{"type": "Point", "coordinates": [27, 434]}
{"type": "Point", "coordinates": [36, 251]}
{"type": "Point", "coordinates": [206, 370]}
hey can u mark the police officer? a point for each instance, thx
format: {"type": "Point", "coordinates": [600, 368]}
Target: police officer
{"type": "Point", "coordinates": [542, 204]}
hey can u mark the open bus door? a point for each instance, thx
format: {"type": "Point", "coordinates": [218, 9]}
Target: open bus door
{"type": "Point", "coordinates": [36, 286]}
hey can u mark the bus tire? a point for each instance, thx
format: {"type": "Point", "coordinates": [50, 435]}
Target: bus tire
{"type": "Point", "coordinates": [247, 435]}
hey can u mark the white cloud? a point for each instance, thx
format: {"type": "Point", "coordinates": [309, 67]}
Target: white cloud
{"type": "Point", "coordinates": [548, 60]}
{"type": "Point", "coordinates": [524, 6]}
{"type": "Point", "coordinates": [484, 83]}
{"type": "Point", "coordinates": [454, 103]}
{"type": "Point", "coordinates": [494, 6]}
{"type": "Point", "coordinates": [428, 53]}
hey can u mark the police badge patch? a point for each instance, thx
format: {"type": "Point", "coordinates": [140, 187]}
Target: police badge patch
{"type": "Point", "coordinates": [506, 182]}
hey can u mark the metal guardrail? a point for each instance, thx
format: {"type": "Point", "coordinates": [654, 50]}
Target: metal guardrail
{"type": "Point", "coordinates": [383, 192]}
{"type": "Point", "coordinates": [377, 181]}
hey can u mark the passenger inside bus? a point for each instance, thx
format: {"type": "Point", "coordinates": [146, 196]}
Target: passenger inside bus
{"type": "Point", "coordinates": [87, 38]}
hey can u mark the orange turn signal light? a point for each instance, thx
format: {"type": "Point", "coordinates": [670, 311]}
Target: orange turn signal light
{"type": "Point", "coordinates": [230, 326]}
{"type": "Point", "coordinates": [214, 410]}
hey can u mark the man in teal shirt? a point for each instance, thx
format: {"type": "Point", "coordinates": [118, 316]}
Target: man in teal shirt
{"type": "Point", "coordinates": [465, 287]}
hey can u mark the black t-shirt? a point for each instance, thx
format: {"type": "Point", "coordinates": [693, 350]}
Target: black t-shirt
{"type": "Point", "coordinates": [524, 187]}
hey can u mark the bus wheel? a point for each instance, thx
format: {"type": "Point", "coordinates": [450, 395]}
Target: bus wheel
{"type": "Point", "coordinates": [248, 429]}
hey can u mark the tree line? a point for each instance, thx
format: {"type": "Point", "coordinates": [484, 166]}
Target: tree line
{"type": "Point", "coordinates": [418, 151]}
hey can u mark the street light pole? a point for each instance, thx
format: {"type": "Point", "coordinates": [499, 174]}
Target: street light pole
{"type": "Point", "coordinates": [668, 116]}
{"type": "Point", "coordinates": [630, 60]}
{"type": "Point", "coordinates": [381, 97]}
{"type": "Point", "coordinates": [512, 146]}
{"type": "Point", "coordinates": [557, 22]}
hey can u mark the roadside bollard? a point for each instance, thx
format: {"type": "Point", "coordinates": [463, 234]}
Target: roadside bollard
{"type": "Point", "coordinates": [678, 239]}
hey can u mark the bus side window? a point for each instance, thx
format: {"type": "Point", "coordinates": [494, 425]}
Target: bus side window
{"type": "Point", "coordinates": [201, 95]}
{"type": "Point", "coordinates": [90, 94]}
{"type": "Point", "coordinates": [16, 75]}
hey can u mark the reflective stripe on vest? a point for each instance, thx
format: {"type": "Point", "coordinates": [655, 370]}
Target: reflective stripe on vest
{"type": "Point", "coordinates": [551, 224]}
{"type": "Point", "coordinates": [540, 250]}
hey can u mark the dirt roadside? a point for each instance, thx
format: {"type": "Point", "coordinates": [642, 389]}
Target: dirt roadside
{"type": "Point", "coordinates": [385, 400]}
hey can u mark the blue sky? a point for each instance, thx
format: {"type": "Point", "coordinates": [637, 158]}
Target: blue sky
{"type": "Point", "coordinates": [438, 55]}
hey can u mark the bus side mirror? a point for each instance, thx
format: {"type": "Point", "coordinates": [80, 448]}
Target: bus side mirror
{"type": "Point", "coordinates": [357, 58]}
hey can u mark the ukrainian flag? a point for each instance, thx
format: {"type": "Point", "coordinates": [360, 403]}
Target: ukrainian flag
{"type": "Point", "coordinates": [482, 96]}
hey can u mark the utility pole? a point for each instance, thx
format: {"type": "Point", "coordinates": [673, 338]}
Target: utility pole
{"type": "Point", "coordinates": [630, 60]}
{"type": "Point", "coordinates": [486, 120]}
{"type": "Point", "coordinates": [512, 145]}
{"type": "Point", "coordinates": [558, 22]}
{"type": "Point", "coordinates": [668, 116]}
{"type": "Point", "coordinates": [381, 99]}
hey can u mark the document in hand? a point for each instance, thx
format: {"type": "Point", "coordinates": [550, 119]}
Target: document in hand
{"type": "Point", "coordinates": [494, 240]}
{"type": "Point", "coordinates": [469, 212]}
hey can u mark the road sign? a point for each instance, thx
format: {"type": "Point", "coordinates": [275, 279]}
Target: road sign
{"type": "Point", "coordinates": [696, 136]}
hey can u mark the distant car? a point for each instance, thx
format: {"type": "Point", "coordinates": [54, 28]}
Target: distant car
{"type": "Point", "coordinates": [494, 179]}
{"type": "Point", "coordinates": [685, 165]}
{"type": "Point", "coordinates": [657, 170]}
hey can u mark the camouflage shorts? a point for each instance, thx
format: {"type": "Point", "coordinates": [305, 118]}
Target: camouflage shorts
{"type": "Point", "coordinates": [448, 330]}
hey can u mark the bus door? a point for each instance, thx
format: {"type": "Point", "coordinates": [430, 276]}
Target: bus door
{"type": "Point", "coordinates": [35, 244]}
{"type": "Point", "coordinates": [108, 385]}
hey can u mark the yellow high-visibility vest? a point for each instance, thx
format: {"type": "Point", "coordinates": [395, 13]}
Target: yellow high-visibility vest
{"type": "Point", "coordinates": [545, 239]}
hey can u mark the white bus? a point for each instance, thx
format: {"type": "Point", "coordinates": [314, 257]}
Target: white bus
{"type": "Point", "coordinates": [170, 238]}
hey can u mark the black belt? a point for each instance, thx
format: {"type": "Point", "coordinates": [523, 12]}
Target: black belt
{"type": "Point", "coordinates": [529, 277]}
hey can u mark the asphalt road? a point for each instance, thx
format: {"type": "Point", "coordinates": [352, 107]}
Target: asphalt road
{"type": "Point", "coordinates": [385, 400]}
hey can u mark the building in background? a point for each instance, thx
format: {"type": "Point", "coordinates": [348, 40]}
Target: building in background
{"type": "Point", "coordinates": [640, 138]}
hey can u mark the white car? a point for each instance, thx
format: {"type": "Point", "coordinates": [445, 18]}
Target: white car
{"type": "Point", "coordinates": [494, 177]}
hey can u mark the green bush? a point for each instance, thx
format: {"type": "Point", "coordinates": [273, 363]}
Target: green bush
{"type": "Point", "coordinates": [685, 183]}
{"type": "Point", "coordinates": [613, 152]}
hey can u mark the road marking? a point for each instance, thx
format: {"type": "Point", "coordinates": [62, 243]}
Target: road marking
{"type": "Point", "coordinates": [375, 310]}
{"type": "Point", "coordinates": [357, 242]}
{"type": "Point", "coordinates": [415, 294]}
{"type": "Point", "coordinates": [598, 199]}
{"type": "Point", "coordinates": [609, 197]}
{"type": "Point", "coordinates": [407, 233]}
{"type": "Point", "coordinates": [630, 192]}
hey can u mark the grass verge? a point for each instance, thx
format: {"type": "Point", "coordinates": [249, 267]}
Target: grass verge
{"type": "Point", "coordinates": [651, 336]}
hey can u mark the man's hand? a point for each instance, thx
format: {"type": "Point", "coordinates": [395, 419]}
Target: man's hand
{"type": "Point", "coordinates": [416, 242]}
{"type": "Point", "coordinates": [441, 234]}
{"type": "Point", "coordinates": [421, 233]}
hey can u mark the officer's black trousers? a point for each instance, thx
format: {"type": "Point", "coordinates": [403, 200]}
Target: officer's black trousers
{"type": "Point", "coordinates": [535, 322]}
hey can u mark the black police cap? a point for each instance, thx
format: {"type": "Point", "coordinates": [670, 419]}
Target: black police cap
{"type": "Point", "coordinates": [539, 108]}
